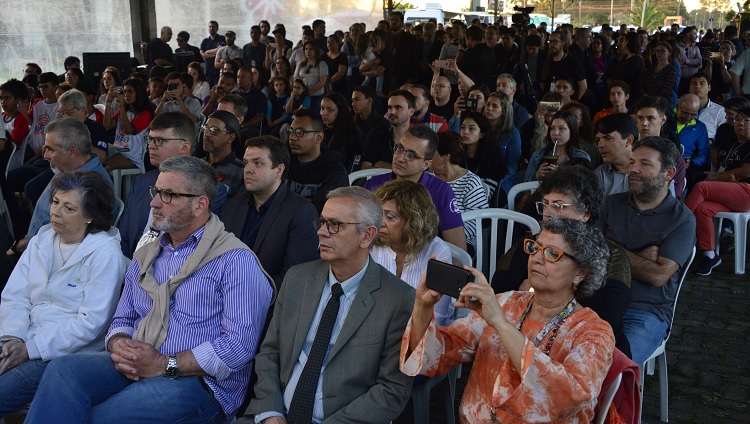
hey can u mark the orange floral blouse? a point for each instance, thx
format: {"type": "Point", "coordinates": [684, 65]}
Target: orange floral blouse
{"type": "Point", "coordinates": [560, 388]}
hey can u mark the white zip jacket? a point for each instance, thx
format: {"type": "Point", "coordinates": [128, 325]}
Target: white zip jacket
{"type": "Point", "coordinates": [70, 310]}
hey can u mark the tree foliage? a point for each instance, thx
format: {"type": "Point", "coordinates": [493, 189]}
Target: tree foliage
{"type": "Point", "coordinates": [652, 18]}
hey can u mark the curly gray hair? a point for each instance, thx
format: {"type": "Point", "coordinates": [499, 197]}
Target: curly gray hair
{"type": "Point", "coordinates": [588, 246]}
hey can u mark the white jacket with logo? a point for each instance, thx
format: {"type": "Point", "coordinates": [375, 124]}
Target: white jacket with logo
{"type": "Point", "coordinates": [68, 311]}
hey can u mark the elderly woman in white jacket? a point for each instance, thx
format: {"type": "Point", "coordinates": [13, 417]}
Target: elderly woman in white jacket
{"type": "Point", "coordinates": [63, 292]}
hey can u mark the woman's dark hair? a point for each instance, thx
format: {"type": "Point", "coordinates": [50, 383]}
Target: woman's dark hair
{"type": "Point", "coordinates": [344, 130]}
{"type": "Point", "coordinates": [234, 65]}
{"type": "Point", "coordinates": [572, 122]}
{"type": "Point", "coordinates": [634, 42]}
{"type": "Point", "coordinates": [589, 248]}
{"type": "Point", "coordinates": [289, 70]}
{"type": "Point", "coordinates": [450, 143]}
{"type": "Point", "coordinates": [585, 129]}
{"type": "Point", "coordinates": [304, 60]}
{"type": "Point", "coordinates": [97, 197]}
{"type": "Point", "coordinates": [305, 92]}
{"type": "Point", "coordinates": [582, 185]}
{"type": "Point", "coordinates": [605, 45]}
{"type": "Point", "coordinates": [336, 38]}
{"type": "Point", "coordinates": [483, 124]}
{"type": "Point", "coordinates": [231, 122]}
{"type": "Point", "coordinates": [262, 77]}
{"type": "Point", "coordinates": [197, 67]}
{"type": "Point", "coordinates": [141, 96]}
{"type": "Point", "coordinates": [115, 74]}
{"type": "Point", "coordinates": [737, 103]}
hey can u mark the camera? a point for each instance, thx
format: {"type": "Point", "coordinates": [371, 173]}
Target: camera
{"type": "Point", "coordinates": [472, 104]}
{"type": "Point", "coordinates": [172, 87]}
{"type": "Point", "coordinates": [118, 90]}
{"type": "Point", "coordinates": [522, 17]}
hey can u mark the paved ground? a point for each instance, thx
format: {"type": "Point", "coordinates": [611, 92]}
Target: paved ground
{"type": "Point", "coordinates": [708, 354]}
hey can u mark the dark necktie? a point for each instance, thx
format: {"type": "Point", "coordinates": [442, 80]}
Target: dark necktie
{"type": "Point", "coordinates": [303, 401]}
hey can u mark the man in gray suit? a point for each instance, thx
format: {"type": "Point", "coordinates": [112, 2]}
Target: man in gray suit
{"type": "Point", "coordinates": [357, 377]}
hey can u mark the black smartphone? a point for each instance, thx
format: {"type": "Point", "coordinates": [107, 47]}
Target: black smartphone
{"type": "Point", "coordinates": [172, 87]}
{"type": "Point", "coordinates": [472, 104]}
{"type": "Point", "coordinates": [446, 278]}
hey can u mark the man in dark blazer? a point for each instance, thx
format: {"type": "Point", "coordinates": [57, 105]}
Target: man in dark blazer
{"type": "Point", "coordinates": [360, 380]}
{"type": "Point", "coordinates": [279, 226]}
{"type": "Point", "coordinates": [170, 134]}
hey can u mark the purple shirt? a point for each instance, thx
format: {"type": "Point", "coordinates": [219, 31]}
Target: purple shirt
{"type": "Point", "coordinates": [218, 313]}
{"type": "Point", "coordinates": [442, 196]}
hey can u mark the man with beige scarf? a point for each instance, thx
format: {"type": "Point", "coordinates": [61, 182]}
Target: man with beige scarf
{"type": "Point", "coordinates": [186, 329]}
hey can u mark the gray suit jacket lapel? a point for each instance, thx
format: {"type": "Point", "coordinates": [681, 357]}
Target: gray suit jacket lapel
{"type": "Point", "coordinates": [361, 307]}
{"type": "Point", "coordinates": [309, 304]}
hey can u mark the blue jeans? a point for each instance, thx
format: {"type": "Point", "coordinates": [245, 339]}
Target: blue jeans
{"type": "Point", "coordinates": [645, 332]}
{"type": "Point", "coordinates": [18, 385]}
{"type": "Point", "coordinates": [86, 388]}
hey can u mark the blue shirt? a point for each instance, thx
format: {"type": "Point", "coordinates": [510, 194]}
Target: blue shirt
{"type": "Point", "coordinates": [218, 313]}
{"type": "Point", "coordinates": [40, 217]}
{"type": "Point", "coordinates": [350, 287]}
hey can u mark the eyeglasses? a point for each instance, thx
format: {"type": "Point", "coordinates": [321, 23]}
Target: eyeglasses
{"type": "Point", "coordinates": [299, 132]}
{"type": "Point", "coordinates": [551, 253]}
{"type": "Point", "coordinates": [166, 195]}
{"type": "Point", "coordinates": [555, 207]}
{"type": "Point", "coordinates": [159, 141]}
{"type": "Point", "coordinates": [410, 155]}
{"type": "Point", "coordinates": [213, 130]}
{"type": "Point", "coordinates": [332, 226]}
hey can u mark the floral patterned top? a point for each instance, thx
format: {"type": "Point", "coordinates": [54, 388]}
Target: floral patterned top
{"type": "Point", "coordinates": [560, 388]}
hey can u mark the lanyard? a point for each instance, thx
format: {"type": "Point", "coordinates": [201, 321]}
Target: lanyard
{"type": "Point", "coordinates": [555, 322]}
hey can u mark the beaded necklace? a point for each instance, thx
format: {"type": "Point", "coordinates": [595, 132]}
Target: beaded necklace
{"type": "Point", "coordinates": [553, 325]}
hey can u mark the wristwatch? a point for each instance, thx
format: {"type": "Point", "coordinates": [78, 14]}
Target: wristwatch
{"type": "Point", "coordinates": [172, 371]}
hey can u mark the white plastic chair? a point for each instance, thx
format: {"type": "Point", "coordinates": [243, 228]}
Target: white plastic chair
{"type": "Point", "coordinates": [609, 395]}
{"type": "Point", "coordinates": [660, 355]}
{"type": "Point", "coordinates": [518, 189]}
{"type": "Point", "coordinates": [367, 174]}
{"type": "Point", "coordinates": [119, 209]}
{"type": "Point", "coordinates": [495, 215]}
{"type": "Point", "coordinates": [124, 186]}
{"type": "Point", "coordinates": [740, 220]}
{"type": "Point", "coordinates": [13, 149]}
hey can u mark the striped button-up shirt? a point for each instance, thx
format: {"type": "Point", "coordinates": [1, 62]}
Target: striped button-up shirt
{"type": "Point", "coordinates": [218, 313]}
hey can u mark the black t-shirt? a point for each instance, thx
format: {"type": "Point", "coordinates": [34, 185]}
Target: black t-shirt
{"type": "Point", "coordinates": [333, 67]}
{"type": "Point", "coordinates": [735, 156]}
{"type": "Point", "coordinates": [158, 50]}
{"type": "Point", "coordinates": [379, 146]}
{"type": "Point", "coordinates": [568, 69]}
{"type": "Point", "coordinates": [445, 111]}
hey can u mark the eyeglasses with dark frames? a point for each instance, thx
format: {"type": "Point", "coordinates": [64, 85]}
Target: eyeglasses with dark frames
{"type": "Point", "coordinates": [551, 253]}
{"type": "Point", "coordinates": [166, 195]}
{"type": "Point", "coordinates": [159, 141]}
{"type": "Point", "coordinates": [299, 132]}
{"type": "Point", "coordinates": [410, 155]}
{"type": "Point", "coordinates": [332, 226]}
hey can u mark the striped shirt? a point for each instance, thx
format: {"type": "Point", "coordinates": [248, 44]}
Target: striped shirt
{"type": "Point", "coordinates": [218, 313]}
{"type": "Point", "coordinates": [471, 195]}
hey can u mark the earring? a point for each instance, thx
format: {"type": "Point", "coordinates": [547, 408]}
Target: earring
{"type": "Point", "coordinates": [88, 222]}
{"type": "Point", "coordinates": [575, 285]}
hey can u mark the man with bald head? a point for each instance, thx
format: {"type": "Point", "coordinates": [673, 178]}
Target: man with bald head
{"type": "Point", "coordinates": [441, 105]}
{"type": "Point", "coordinates": [693, 136]}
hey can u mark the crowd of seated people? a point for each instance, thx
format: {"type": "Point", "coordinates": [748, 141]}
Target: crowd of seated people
{"type": "Point", "coordinates": [246, 277]}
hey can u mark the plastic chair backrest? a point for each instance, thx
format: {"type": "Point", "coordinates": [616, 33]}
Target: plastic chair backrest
{"type": "Point", "coordinates": [609, 395]}
{"type": "Point", "coordinates": [683, 273]}
{"type": "Point", "coordinates": [13, 149]}
{"type": "Point", "coordinates": [367, 174]}
{"type": "Point", "coordinates": [460, 255]}
{"type": "Point", "coordinates": [495, 215]}
{"type": "Point", "coordinates": [119, 209]}
{"type": "Point", "coordinates": [518, 189]}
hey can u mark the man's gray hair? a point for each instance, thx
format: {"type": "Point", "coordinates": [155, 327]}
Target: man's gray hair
{"type": "Point", "coordinates": [369, 211]}
{"type": "Point", "coordinates": [588, 246]}
{"type": "Point", "coordinates": [199, 175]}
{"type": "Point", "coordinates": [74, 98]}
{"type": "Point", "coordinates": [71, 132]}
{"type": "Point", "coordinates": [512, 80]}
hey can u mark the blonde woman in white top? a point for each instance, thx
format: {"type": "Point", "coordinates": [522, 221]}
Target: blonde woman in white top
{"type": "Point", "coordinates": [408, 237]}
